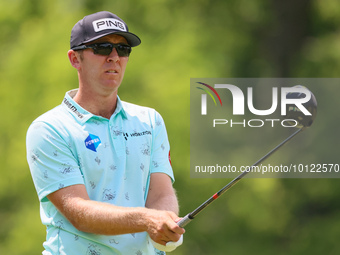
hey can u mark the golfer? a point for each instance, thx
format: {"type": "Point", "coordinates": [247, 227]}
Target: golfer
{"type": "Point", "coordinates": [100, 165]}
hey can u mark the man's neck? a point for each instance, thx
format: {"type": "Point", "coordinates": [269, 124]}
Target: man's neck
{"type": "Point", "coordinates": [100, 105]}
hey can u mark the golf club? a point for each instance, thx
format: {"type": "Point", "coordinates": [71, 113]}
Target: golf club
{"type": "Point", "coordinates": [302, 122]}
{"type": "Point", "coordinates": [299, 120]}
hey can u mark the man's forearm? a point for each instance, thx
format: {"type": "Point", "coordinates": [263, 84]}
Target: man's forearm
{"type": "Point", "coordinates": [98, 217]}
{"type": "Point", "coordinates": [162, 196]}
{"type": "Point", "coordinates": [167, 202]}
{"type": "Point", "coordinates": [105, 219]}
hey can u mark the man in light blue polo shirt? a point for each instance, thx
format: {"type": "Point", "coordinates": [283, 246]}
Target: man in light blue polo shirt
{"type": "Point", "coordinates": [101, 166]}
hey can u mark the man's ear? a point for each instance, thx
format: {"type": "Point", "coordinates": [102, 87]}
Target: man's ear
{"type": "Point", "coordinates": [74, 58]}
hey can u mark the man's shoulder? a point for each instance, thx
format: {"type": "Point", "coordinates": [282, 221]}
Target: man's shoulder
{"type": "Point", "coordinates": [143, 114]}
{"type": "Point", "coordinates": [54, 117]}
{"type": "Point", "coordinates": [130, 107]}
{"type": "Point", "coordinates": [51, 124]}
{"type": "Point", "coordinates": [139, 111]}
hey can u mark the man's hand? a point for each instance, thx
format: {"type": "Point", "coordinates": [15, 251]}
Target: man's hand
{"type": "Point", "coordinates": [162, 227]}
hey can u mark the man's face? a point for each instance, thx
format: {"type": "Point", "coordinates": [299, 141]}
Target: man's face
{"type": "Point", "coordinates": [103, 74]}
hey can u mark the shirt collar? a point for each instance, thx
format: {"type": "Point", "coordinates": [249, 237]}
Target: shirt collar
{"type": "Point", "coordinates": [120, 109]}
{"type": "Point", "coordinates": [80, 114]}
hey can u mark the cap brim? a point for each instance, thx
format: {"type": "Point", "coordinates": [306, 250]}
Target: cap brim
{"type": "Point", "coordinates": [132, 39]}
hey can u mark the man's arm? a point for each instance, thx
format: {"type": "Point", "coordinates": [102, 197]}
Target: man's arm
{"type": "Point", "coordinates": [96, 217]}
{"type": "Point", "coordinates": [106, 219]}
{"type": "Point", "coordinates": [162, 195]}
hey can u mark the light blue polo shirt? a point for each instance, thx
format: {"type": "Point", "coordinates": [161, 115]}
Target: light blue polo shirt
{"type": "Point", "coordinates": [112, 157]}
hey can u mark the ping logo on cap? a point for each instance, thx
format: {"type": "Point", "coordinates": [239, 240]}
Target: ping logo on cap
{"type": "Point", "coordinates": [108, 23]}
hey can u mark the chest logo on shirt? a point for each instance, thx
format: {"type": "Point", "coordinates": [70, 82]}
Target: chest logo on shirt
{"type": "Point", "coordinates": [92, 142]}
{"type": "Point", "coordinates": [136, 134]}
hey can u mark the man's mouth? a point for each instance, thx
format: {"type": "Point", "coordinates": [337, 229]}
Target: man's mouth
{"type": "Point", "coordinates": [111, 71]}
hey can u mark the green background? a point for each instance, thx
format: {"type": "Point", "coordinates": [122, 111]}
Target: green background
{"type": "Point", "coordinates": [180, 40]}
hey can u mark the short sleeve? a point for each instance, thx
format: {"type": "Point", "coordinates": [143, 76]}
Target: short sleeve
{"type": "Point", "coordinates": [51, 161]}
{"type": "Point", "coordinates": [160, 157]}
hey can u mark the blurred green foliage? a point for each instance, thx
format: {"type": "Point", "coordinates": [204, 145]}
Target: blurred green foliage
{"type": "Point", "coordinates": [181, 40]}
